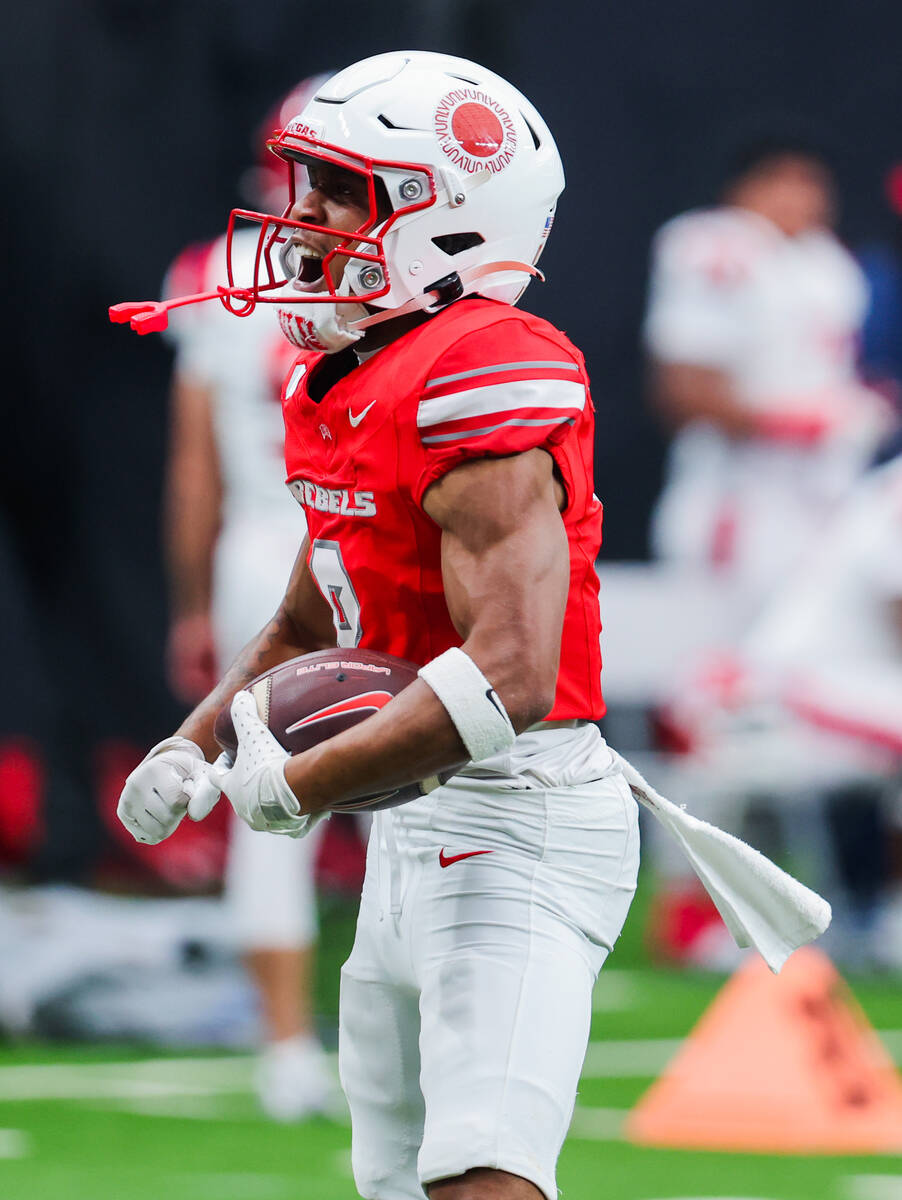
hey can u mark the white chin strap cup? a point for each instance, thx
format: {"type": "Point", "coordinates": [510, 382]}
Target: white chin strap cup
{"type": "Point", "coordinates": [324, 328]}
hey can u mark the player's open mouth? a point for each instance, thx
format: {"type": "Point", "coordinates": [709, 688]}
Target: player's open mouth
{"type": "Point", "coordinates": [303, 266]}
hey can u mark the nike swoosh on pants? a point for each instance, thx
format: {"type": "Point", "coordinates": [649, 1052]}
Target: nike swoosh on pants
{"type": "Point", "coordinates": [446, 860]}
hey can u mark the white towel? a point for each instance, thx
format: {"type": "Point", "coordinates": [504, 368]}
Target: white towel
{"type": "Point", "coordinates": [762, 906]}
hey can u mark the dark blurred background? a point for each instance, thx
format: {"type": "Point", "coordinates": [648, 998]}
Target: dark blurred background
{"type": "Point", "coordinates": [125, 128]}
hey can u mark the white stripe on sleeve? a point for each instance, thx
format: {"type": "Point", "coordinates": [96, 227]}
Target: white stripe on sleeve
{"type": "Point", "coordinates": [502, 398]}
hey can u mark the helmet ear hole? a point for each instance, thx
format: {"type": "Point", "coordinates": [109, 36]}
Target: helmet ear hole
{"type": "Point", "coordinates": [383, 203]}
{"type": "Point", "coordinates": [534, 135]}
{"type": "Point", "coordinates": [456, 243]}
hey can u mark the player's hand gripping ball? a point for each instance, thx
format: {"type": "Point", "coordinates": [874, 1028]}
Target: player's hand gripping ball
{"type": "Point", "coordinates": [301, 703]}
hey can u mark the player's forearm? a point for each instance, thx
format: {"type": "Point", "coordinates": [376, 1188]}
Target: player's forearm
{"type": "Point", "coordinates": [410, 739]}
{"type": "Point", "coordinates": [279, 640]}
{"type": "Point", "coordinates": [193, 499]}
{"type": "Point", "coordinates": [189, 559]}
{"type": "Point", "coordinates": [685, 393]}
{"type": "Point", "coordinates": [191, 522]}
{"type": "Point", "coordinates": [413, 737]}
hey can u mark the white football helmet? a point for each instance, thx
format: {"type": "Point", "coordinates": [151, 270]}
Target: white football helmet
{"type": "Point", "coordinates": [472, 175]}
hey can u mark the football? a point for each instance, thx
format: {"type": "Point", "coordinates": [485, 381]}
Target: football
{"type": "Point", "coordinates": [311, 698]}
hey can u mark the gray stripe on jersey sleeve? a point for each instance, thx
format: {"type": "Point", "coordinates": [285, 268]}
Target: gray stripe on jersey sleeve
{"type": "Point", "coordinates": [468, 433]}
{"type": "Point", "coordinates": [526, 366]}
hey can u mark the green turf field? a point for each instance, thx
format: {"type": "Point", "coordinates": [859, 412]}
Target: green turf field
{"type": "Point", "coordinates": [116, 1123]}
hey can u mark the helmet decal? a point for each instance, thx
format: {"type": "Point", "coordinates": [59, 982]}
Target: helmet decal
{"type": "Point", "coordinates": [306, 129]}
{"type": "Point", "coordinates": [475, 131]}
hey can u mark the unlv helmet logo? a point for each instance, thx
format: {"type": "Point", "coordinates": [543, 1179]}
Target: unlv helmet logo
{"type": "Point", "coordinates": [474, 131]}
{"type": "Point", "coordinates": [306, 129]}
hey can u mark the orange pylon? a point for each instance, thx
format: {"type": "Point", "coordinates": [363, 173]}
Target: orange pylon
{"type": "Point", "coordinates": [783, 1063]}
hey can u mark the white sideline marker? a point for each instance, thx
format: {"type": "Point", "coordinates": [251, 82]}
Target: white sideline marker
{"type": "Point", "coordinates": [597, 1124]}
{"type": "Point", "coordinates": [14, 1143]}
{"type": "Point", "coordinates": [640, 1058]}
{"type": "Point", "coordinates": [629, 1058]}
{"type": "Point", "coordinates": [615, 991]}
{"type": "Point", "coordinates": [873, 1187]}
{"type": "Point", "coordinates": [342, 1163]}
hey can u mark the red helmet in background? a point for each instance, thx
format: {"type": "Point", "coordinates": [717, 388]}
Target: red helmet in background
{"type": "Point", "coordinates": [263, 185]}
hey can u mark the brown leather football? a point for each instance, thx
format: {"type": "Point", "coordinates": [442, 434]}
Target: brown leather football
{"type": "Point", "coordinates": [306, 700]}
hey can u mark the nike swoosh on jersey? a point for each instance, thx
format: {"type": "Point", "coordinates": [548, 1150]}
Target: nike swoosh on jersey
{"type": "Point", "coordinates": [355, 421]}
{"type": "Point", "coordinates": [446, 860]}
{"type": "Point", "coordinates": [371, 701]}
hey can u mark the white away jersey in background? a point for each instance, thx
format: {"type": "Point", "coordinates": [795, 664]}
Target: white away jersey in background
{"type": "Point", "coordinates": [779, 317]}
{"type": "Point", "coordinates": [244, 361]}
{"type": "Point", "coordinates": [834, 635]}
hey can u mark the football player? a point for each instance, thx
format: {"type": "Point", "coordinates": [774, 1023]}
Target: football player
{"type": "Point", "coordinates": [440, 443]}
{"type": "Point", "coordinates": [754, 313]}
{"type": "Point", "coordinates": [232, 535]}
{"type": "Point", "coordinates": [809, 707]}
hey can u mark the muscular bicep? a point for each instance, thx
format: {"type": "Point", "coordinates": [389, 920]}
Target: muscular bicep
{"type": "Point", "coordinates": [506, 572]}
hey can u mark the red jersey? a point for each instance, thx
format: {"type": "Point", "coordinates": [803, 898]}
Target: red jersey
{"type": "Point", "coordinates": [479, 379]}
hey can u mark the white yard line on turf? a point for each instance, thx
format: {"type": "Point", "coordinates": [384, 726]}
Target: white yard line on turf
{"type": "Point", "coordinates": [196, 1108]}
{"type": "Point", "coordinates": [127, 1080]}
{"type": "Point", "coordinates": [873, 1187]}
{"type": "Point", "coordinates": [597, 1124]}
{"type": "Point", "coordinates": [629, 1058]}
{"type": "Point", "coordinates": [146, 1079]}
{"type": "Point", "coordinates": [14, 1143]}
{"type": "Point", "coordinates": [616, 991]}
{"type": "Point", "coordinates": [892, 1039]}
{"type": "Point", "coordinates": [341, 1161]}
{"type": "Point", "coordinates": [626, 1058]}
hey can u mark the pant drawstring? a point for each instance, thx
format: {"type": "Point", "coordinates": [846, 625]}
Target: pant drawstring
{"type": "Point", "coordinates": [394, 867]}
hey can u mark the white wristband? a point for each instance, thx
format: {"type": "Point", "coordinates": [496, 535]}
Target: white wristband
{"type": "Point", "coordinates": [472, 703]}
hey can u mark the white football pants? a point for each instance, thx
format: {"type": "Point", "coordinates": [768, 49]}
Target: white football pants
{"type": "Point", "coordinates": [488, 909]}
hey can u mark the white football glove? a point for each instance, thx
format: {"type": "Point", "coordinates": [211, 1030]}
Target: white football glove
{"type": "Point", "coordinates": [156, 794]}
{"type": "Point", "coordinates": [256, 784]}
{"type": "Point", "coordinates": [207, 793]}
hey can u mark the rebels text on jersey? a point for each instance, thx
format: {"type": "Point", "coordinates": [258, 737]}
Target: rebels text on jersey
{"type": "Point", "coordinates": [480, 379]}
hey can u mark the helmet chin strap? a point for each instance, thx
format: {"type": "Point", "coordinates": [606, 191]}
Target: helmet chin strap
{"type": "Point", "coordinates": [325, 329]}
{"type": "Point", "coordinates": [328, 328]}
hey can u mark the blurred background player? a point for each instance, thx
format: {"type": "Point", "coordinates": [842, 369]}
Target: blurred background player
{"type": "Point", "coordinates": [233, 531]}
{"type": "Point", "coordinates": [753, 318]}
{"type": "Point", "coordinates": [752, 330]}
{"type": "Point", "coordinates": [808, 718]}
{"type": "Point", "coordinates": [881, 261]}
